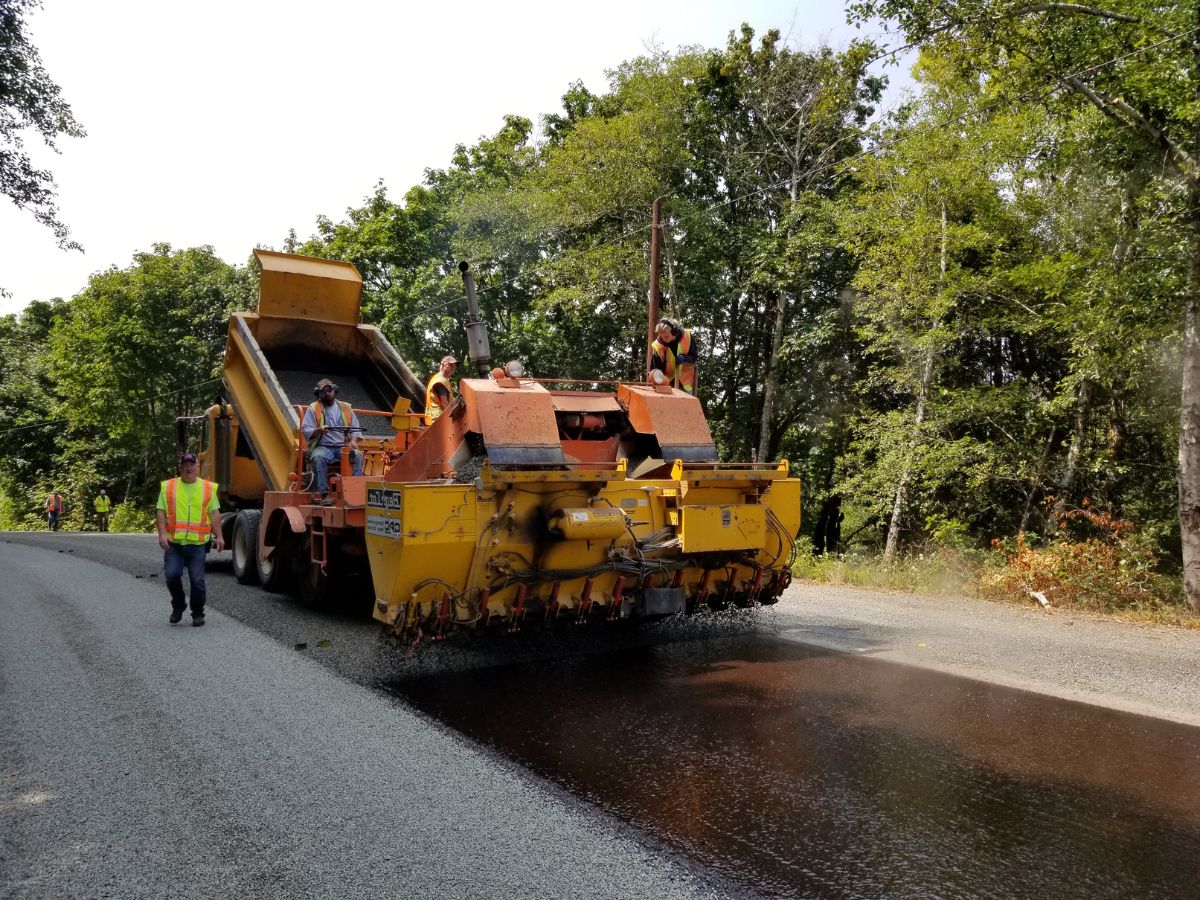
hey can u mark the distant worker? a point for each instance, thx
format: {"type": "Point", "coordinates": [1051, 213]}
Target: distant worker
{"type": "Point", "coordinates": [439, 392]}
{"type": "Point", "coordinates": [329, 424]}
{"type": "Point", "coordinates": [674, 354]}
{"type": "Point", "coordinates": [103, 504]}
{"type": "Point", "coordinates": [189, 516]}
{"type": "Point", "coordinates": [54, 510]}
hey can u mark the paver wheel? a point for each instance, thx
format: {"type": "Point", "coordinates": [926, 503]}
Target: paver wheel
{"type": "Point", "coordinates": [273, 573]}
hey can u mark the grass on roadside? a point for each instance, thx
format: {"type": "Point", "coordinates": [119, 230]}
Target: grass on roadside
{"type": "Point", "coordinates": [1096, 563]}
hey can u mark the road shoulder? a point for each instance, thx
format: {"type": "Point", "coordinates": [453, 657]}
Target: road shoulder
{"type": "Point", "coordinates": [1146, 669]}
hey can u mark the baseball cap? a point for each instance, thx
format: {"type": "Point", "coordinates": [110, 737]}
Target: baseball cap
{"type": "Point", "coordinates": [449, 359]}
{"type": "Point", "coordinates": [187, 458]}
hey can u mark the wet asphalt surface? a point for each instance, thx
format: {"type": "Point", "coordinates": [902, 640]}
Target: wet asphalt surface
{"type": "Point", "coordinates": [766, 767]}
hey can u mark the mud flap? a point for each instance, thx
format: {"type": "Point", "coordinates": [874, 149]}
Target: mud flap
{"type": "Point", "coordinates": [662, 601]}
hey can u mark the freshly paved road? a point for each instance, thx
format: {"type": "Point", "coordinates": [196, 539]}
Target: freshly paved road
{"type": "Point", "coordinates": [143, 760]}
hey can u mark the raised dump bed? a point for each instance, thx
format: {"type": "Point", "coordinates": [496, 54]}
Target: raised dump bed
{"type": "Point", "coordinates": [307, 327]}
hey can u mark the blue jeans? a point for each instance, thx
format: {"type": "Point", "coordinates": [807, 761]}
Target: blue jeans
{"type": "Point", "coordinates": [176, 558]}
{"type": "Point", "coordinates": [322, 456]}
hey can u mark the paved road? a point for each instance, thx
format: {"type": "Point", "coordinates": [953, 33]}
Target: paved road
{"type": "Point", "coordinates": [141, 760]}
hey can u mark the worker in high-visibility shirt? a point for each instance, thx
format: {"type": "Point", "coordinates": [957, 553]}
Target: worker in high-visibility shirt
{"type": "Point", "coordinates": [54, 510]}
{"type": "Point", "coordinates": [439, 391]}
{"type": "Point", "coordinates": [102, 505]}
{"type": "Point", "coordinates": [328, 425]}
{"type": "Point", "coordinates": [674, 354]}
{"type": "Point", "coordinates": [189, 516]}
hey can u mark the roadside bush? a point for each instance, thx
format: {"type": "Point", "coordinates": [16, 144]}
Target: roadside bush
{"type": "Point", "coordinates": [1096, 562]}
{"type": "Point", "coordinates": [131, 518]}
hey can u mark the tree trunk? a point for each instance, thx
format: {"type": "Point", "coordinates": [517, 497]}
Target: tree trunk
{"type": "Point", "coordinates": [1189, 414]}
{"type": "Point", "coordinates": [1118, 431]}
{"type": "Point", "coordinates": [771, 376]}
{"type": "Point", "coordinates": [893, 536]}
{"type": "Point", "coordinates": [771, 382]}
{"type": "Point", "coordinates": [1083, 401]}
{"type": "Point", "coordinates": [1037, 479]}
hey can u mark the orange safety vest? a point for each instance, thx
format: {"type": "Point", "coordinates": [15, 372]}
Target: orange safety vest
{"type": "Point", "coordinates": [682, 374]}
{"type": "Point", "coordinates": [432, 410]}
{"type": "Point", "coordinates": [54, 504]}
{"type": "Point", "coordinates": [199, 530]}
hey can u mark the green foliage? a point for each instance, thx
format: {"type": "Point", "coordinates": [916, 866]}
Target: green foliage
{"type": "Point", "coordinates": [92, 387]}
{"type": "Point", "coordinates": [131, 518]}
{"type": "Point", "coordinates": [30, 102]}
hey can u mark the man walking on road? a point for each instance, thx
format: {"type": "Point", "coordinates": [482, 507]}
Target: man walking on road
{"type": "Point", "coordinates": [54, 510]}
{"type": "Point", "coordinates": [103, 504]}
{"type": "Point", "coordinates": [189, 515]}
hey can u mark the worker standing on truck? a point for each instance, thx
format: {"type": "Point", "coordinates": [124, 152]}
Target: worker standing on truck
{"type": "Point", "coordinates": [54, 510]}
{"type": "Point", "coordinates": [102, 504]}
{"type": "Point", "coordinates": [674, 354]}
{"type": "Point", "coordinates": [328, 425]}
{"type": "Point", "coordinates": [439, 391]}
{"type": "Point", "coordinates": [189, 515]}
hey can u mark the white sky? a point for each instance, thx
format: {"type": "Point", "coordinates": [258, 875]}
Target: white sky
{"type": "Point", "coordinates": [230, 121]}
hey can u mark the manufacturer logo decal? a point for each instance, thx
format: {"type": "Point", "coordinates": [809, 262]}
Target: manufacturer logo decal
{"type": "Point", "coordinates": [383, 498]}
{"type": "Point", "coordinates": [381, 527]}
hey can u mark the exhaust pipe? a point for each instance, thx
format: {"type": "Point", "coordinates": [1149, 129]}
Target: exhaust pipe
{"type": "Point", "coordinates": [477, 334]}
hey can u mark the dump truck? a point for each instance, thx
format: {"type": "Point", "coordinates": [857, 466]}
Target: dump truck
{"type": "Point", "coordinates": [527, 501]}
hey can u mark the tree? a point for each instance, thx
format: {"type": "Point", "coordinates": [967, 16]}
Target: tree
{"type": "Point", "coordinates": [29, 100]}
{"type": "Point", "coordinates": [1138, 66]}
{"type": "Point", "coordinates": [137, 348]}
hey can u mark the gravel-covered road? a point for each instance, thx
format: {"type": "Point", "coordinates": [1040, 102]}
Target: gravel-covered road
{"type": "Point", "coordinates": [1152, 670]}
{"type": "Point", "coordinates": [143, 760]}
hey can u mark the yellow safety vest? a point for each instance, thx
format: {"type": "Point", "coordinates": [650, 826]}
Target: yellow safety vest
{"type": "Point", "coordinates": [318, 409]}
{"type": "Point", "coordinates": [682, 374]}
{"type": "Point", "coordinates": [103, 504]}
{"type": "Point", "coordinates": [432, 410]}
{"type": "Point", "coordinates": [192, 527]}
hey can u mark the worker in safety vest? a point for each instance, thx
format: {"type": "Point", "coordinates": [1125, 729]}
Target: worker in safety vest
{"type": "Point", "coordinates": [439, 392]}
{"type": "Point", "coordinates": [102, 504]}
{"type": "Point", "coordinates": [189, 516]}
{"type": "Point", "coordinates": [54, 510]}
{"type": "Point", "coordinates": [329, 424]}
{"type": "Point", "coordinates": [674, 354]}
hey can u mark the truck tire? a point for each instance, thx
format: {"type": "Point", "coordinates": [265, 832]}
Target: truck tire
{"type": "Point", "coordinates": [245, 546]}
